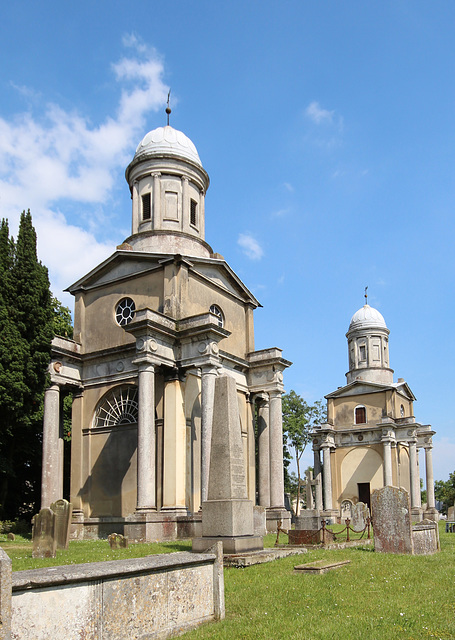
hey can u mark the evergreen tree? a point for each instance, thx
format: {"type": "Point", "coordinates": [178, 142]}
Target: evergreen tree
{"type": "Point", "coordinates": [26, 332]}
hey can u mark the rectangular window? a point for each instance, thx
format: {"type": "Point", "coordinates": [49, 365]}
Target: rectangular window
{"type": "Point", "coordinates": [146, 206]}
{"type": "Point", "coordinates": [362, 353]}
{"type": "Point", "coordinates": [193, 212]}
{"type": "Point", "coordinates": [360, 415]}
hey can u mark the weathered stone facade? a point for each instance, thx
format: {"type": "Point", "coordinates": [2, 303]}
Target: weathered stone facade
{"type": "Point", "coordinates": [154, 325]}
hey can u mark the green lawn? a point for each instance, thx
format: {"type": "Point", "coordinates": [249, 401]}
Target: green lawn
{"type": "Point", "coordinates": [376, 596]}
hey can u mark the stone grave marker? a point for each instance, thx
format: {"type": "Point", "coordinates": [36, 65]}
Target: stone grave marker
{"type": "Point", "coordinates": [44, 542]}
{"type": "Point", "coordinates": [451, 513]}
{"type": "Point", "coordinates": [63, 511]}
{"type": "Point", "coordinates": [346, 509]}
{"type": "Point", "coordinates": [391, 512]}
{"type": "Point", "coordinates": [11, 536]}
{"type": "Point", "coordinates": [227, 514]}
{"type": "Point", "coordinates": [359, 514]}
{"type": "Point", "coordinates": [117, 541]}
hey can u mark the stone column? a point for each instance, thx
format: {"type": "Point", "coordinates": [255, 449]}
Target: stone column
{"type": "Point", "coordinates": [264, 453]}
{"type": "Point", "coordinates": [327, 475]}
{"type": "Point", "coordinates": [185, 219]}
{"type": "Point", "coordinates": [387, 463]}
{"type": "Point", "coordinates": [146, 445]}
{"type": "Point", "coordinates": [276, 451]}
{"type": "Point", "coordinates": [156, 201]}
{"type": "Point", "coordinates": [76, 482]}
{"type": "Point", "coordinates": [174, 448]}
{"type": "Point", "coordinates": [51, 481]}
{"type": "Point", "coordinates": [414, 479]}
{"type": "Point", "coordinates": [208, 377]}
{"type": "Point", "coordinates": [317, 477]}
{"type": "Point", "coordinates": [136, 207]}
{"type": "Point", "coordinates": [429, 477]}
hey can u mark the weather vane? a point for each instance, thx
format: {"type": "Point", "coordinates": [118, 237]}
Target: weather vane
{"type": "Point", "coordinates": [366, 295]}
{"type": "Point", "coordinates": [168, 108]}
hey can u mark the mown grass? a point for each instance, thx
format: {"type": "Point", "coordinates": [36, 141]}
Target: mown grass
{"type": "Point", "coordinates": [376, 596]}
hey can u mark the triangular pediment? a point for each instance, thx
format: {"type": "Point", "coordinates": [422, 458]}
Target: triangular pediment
{"type": "Point", "coordinates": [361, 387]}
{"type": "Point", "coordinates": [219, 273]}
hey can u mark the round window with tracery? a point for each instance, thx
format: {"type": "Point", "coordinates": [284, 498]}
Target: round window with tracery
{"type": "Point", "coordinates": [118, 407]}
{"type": "Point", "coordinates": [124, 311]}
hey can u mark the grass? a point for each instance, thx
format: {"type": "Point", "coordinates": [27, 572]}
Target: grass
{"type": "Point", "coordinates": [376, 596]}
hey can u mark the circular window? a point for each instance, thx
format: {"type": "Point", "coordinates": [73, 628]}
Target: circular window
{"type": "Point", "coordinates": [218, 313]}
{"type": "Point", "coordinates": [124, 311]}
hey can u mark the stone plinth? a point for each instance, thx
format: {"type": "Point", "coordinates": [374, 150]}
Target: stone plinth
{"type": "Point", "coordinates": [309, 519]}
{"type": "Point", "coordinates": [302, 536]}
{"type": "Point", "coordinates": [227, 514]}
{"type": "Point", "coordinates": [425, 536]}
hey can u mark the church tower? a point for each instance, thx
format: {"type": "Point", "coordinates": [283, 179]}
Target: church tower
{"type": "Point", "coordinates": [371, 438]}
{"type": "Point", "coordinates": [154, 325]}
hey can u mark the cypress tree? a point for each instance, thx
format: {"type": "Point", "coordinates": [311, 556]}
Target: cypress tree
{"type": "Point", "coordinates": [25, 340]}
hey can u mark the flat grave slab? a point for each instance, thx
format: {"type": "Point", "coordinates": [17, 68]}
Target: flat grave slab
{"type": "Point", "coordinates": [319, 566]}
{"type": "Point", "coordinates": [259, 557]}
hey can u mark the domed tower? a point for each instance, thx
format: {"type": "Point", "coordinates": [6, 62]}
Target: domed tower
{"type": "Point", "coordinates": [368, 346]}
{"type": "Point", "coordinates": [168, 186]}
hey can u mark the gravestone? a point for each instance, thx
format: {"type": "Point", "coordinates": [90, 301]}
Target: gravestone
{"type": "Point", "coordinates": [359, 514]}
{"type": "Point", "coordinates": [117, 541]}
{"type": "Point", "coordinates": [63, 511]}
{"type": "Point", "coordinates": [451, 513]}
{"type": "Point", "coordinates": [346, 509]}
{"type": "Point", "coordinates": [391, 512]}
{"type": "Point", "coordinates": [43, 538]}
{"type": "Point", "coordinates": [308, 520]}
{"type": "Point", "coordinates": [227, 514]}
{"type": "Point", "coordinates": [11, 536]}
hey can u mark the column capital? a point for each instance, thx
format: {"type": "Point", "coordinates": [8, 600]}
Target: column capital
{"type": "Point", "coordinates": [145, 362]}
{"type": "Point", "coordinates": [155, 174]}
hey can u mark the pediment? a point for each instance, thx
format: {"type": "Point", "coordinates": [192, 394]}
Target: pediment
{"type": "Point", "coordinates": [221, 275]}
{"type": "Point", "coordinates": [360, 387]}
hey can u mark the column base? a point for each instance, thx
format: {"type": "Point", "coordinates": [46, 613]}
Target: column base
{"type": "Point", "coordinates": [330, 515]}
{"type": "Point", "coordinates": [431, 514]}
{"type": "Point", "coordinates": [231, 544]}
{"type": "Point", "coordinates": [416, 514]}
{"type": "Point", "coordinates": [274, 515]}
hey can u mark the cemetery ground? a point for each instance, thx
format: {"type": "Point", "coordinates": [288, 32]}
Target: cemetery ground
{"type": "Point", "coordinates": [376, 596]}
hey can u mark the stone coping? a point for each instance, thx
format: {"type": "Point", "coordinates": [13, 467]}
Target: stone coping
{"type": "Point", "coordinates": [71, 573]}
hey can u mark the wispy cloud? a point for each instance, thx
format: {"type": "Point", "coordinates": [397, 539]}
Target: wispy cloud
{"type": "Point", "coordinates": [280, 213]}
{"type": "Point", "coordinates": [288, 186]}
{"type": "Point", "coordinates": [59, 161]}
{"type": "Point", "coordinates": [250, 246]}
{"type": "Point", "coordinates": [319, 115]}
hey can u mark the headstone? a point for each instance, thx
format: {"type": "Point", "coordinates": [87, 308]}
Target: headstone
{"type": "Point", "coordinates": [391, 511]}
{"type": "Point", "coordinates": [227, 514]}
{"type": "Point", "coordinates": [346, 509]}
{"type": "Point", "coordinates": [451, 513]}
{"type": "Point", "coordinates": [117, 541]}
{"type": "Point", "coordinates": [43, 538]}
{"type": "Point", "coordinates": [11, 536]}
{"type": "Point", "coordinates": [425, 537]}
{"type": "Point", "coordinates": [359, 514]}
{"type": "Point", "coordinates": [63, 511]}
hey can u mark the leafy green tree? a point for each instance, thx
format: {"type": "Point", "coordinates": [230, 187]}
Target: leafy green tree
{"type": "Point", "coordinates": [61, 322]}
{"type": "Point", "coordinates": [25, 340]}
{"type": "Point", "coordinates": [444, 490]}
{"type": "Point", "coordinates": [299, 419]}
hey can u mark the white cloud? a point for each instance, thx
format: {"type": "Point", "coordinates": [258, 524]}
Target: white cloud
{"type": "Point", "coordinates": [60, 162]}
{"type": "Point", "coordinates": [280, 213]}
{"type": "Point", "coordinates": [288, 186]}
{"type": "Point", "coordinates": [319, 115]}
{"type": "Point", "coordinates": [250, 246]}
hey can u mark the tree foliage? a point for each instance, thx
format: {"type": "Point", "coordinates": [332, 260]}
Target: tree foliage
{"type": "Point", "coordinates": [26, 330]}
{"type": "Point", "coordinates": [299, 419]}
{"type": "Point", "coordinates": [444, 490]}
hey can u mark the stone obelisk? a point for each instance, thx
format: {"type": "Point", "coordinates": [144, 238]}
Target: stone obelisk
{"type": "Point", "coordinates": [227, 514]}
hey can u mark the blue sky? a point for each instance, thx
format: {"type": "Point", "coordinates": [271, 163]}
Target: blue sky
{"type": "Point", "coordinates": [327, 129]}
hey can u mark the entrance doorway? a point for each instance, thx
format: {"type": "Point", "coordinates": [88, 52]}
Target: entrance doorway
{"type": "Point", "coordinates": [364, 492]}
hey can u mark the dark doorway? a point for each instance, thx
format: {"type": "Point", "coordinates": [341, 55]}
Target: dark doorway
{"type": "Point", "coordinates": [364, 492]}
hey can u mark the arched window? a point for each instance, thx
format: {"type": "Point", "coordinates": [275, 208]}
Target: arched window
{"type": "Point", "coordinates": [402, 411]}
{"type": "Point", "coordinates": [118, 407]}
{"type": "Point", "coordinates": [360, 415]}
{"type": "Point", "coordinates": [218, 313]}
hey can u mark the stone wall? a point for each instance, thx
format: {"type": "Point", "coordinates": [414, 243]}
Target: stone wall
{"type": "Point", "coordinates": [142, 598]}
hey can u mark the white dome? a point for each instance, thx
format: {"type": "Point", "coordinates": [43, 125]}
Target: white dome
{"type": "Point", "coordinates": [367, 317]}
{"type": "Point", "coordinates": [170, 142]}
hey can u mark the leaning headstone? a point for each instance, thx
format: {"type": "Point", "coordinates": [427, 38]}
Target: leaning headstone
{"type": "Point", "coordinates": [117, 541]}
{"type": "Point", "coordinates": [346, 509]}
{"type": "Point", "coordinates": [227, 514]}
{"type": "Point", "coordinates": [11, 536]}
{"type": "Point", "coordinates": [43, 538]}
{"type": "Point", "coordinates": [391, 511]}
{"type": "Point", "coordinates": [451, 513]}
{"type": "Point", "coordinates": [63, 511]}
{"type": "Point", "coordinates": [359, 514]}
